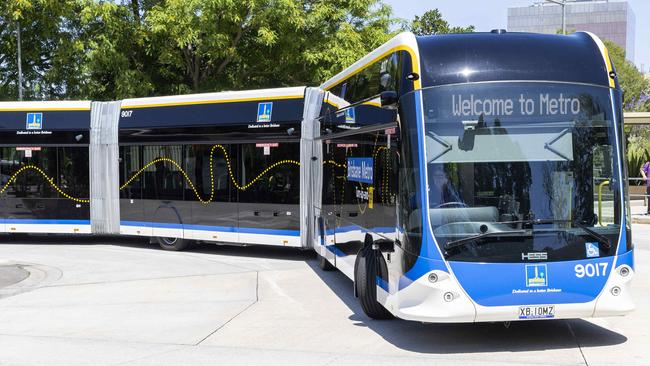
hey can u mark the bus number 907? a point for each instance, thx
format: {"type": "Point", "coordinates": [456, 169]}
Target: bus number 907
{"type": "Point", "coordinates": [591, 270]}
{"type": "Point", "coordinates": [126, 114]}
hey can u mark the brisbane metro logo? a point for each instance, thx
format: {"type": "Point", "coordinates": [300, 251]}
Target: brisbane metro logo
{"type": "Point", "coordinates": [264, 111]}
{"type": "Point", "coordinates": [536, 275]}
{"type": "Point", "coordinates": [34, 121]}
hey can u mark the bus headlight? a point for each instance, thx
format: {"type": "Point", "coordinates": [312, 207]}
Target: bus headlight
{"type": "Point", "coordinates": [624, 271]}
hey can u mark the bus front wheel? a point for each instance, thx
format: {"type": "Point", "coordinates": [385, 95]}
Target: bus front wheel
{"type": "Point", "coordinates": [365, 282]}
{"type": "Point", "coordinates": [173, 244]}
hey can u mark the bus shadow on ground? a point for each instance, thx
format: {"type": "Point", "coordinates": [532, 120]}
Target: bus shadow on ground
{"type": "Point", "coordinates": [472, 337]}
{"type": "Point", "coordinates": [249, 251]}
{"type": "Point", "coordinates": [81, 240]}
{"type": "Point", "coordinates": [254, 251]}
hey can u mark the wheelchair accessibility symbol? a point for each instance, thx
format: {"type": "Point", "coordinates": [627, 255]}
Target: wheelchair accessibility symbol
{"type": "Point", "coordinates": [592, 250]}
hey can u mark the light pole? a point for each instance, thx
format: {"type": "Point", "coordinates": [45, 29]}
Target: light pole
{"type": "Point", "coordinates": [562, 3]}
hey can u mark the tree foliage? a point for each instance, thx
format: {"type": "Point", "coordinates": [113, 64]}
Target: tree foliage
{"type": "Point", "coordinates": [98, 49]}
{"type": "Point", "coordinates": [49, 44]}
{"type": "Point", "coordinates": [635, 98]}
{"type": "Point", "coordinates": [633, 83]}
{"type": "Point", "coordinates": [431, 22]}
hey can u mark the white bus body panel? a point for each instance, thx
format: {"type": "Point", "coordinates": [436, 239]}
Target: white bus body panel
{"type": "Point", "coordinates": [48, 228]}
{"type": "Point", "coordinates": [425, 302]}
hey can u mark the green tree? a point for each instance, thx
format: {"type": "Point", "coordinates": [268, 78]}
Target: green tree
{"type": "Point", "coordinates": [635, 86]}
{"type": "Point", "coordinates": [636, 90]}
{"type": "Point", "coordinates": [217, 44]}
{"type": "Point", "coordinates": [103, 50]}
{"type": "Point", "coordinates": [113, 51]}
{"type": "Point", "coordinates": [48, 36]}
{"type": "Point", "coordinates": [431, 22]}
{"type": "Point", "coordinates": [638, 149]}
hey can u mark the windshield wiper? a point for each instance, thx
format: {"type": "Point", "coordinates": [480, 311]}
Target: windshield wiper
{"type": "Point", "coordinates": [602, 239]}
{"type": "Point", "coordinates": [534, 221]}
{"type": "Point", "coordinates": [460, 242]}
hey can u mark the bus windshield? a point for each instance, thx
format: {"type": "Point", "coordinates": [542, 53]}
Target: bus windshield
{"type": "Point", "coordinates": [521, 172]}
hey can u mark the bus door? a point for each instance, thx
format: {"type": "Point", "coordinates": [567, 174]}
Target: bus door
{"type": "Point", "coordinates": [269, 193]}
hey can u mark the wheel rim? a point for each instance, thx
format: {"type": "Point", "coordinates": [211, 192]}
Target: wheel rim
{"type": "Point", "coordinates": [169, 241]}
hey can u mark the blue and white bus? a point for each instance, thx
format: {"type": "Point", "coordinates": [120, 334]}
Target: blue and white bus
{"type": "Point", "coordinates": [453, 178]}
{"type": "Point", "coordinates": [477, 177]}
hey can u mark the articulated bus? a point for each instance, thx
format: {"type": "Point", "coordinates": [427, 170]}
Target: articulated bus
{"type": "Point", "coordinates": [454, 178]}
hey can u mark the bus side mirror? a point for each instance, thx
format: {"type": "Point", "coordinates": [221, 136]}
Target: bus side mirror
{"type": "Point", "coordinates": [388, 99]}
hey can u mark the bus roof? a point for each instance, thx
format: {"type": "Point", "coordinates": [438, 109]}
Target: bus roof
{"type": "Point", "coordinates": [476, 57]}
{"type": "Point", "coordinates": [214, 98]}
{"type": "Point", "coordinates": [39, 106]}
{"type": "Point", "coordinates": [402, 42]}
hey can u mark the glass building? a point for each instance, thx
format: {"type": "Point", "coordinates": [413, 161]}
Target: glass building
{"type": "Point", "coordinates": [614, 21]}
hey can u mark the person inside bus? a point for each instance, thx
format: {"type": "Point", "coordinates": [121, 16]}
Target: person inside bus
{"type": "Point", "coordinates": [442, 192]}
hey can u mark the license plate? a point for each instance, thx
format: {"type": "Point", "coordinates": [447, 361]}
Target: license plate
{"type": "Point", "coordinates": [537, 312]}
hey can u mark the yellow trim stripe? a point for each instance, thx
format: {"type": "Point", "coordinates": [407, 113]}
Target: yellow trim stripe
{"type": "Point", "coordinates": [42, 109]}
{"type": "Point", "coordinates": [217, 101]}
{"type": "Point", "coordinates": [415, 61]}
{"type": "Point", "coordinates": [610, 69]}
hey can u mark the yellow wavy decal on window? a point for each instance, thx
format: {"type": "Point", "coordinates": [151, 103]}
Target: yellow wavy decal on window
{"type": "Point", "coordinates": [135, 176]}
{"type": "Point", "coordinates": [47, 179]}
{"type": "Point", "coordinates": [212, 185]}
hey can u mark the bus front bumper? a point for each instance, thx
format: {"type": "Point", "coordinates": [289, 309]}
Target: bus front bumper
{"type": "Point", "coordinates": [444, 301]}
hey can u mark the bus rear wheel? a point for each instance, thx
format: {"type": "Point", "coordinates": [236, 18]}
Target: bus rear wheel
{"type": "Point", "coordinates": [173, 244]}
{"type": "Point", "coordinates": [366, 284]}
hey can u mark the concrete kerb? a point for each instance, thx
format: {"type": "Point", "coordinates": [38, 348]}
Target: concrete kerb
{"type": "Point", "coordinates": [38, 276]}
{"type": "Point", "coordinates": [638, 209]}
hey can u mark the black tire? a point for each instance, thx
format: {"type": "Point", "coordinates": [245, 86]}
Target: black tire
{"type": "Point", "coordinates": [324, 264]}
{"type": "Point", "coordinates": [366, 284]}
{"type": "Point", "coordinates": [173, 244]}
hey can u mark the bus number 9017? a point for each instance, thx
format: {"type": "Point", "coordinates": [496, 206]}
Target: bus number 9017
{"type": "Point", "coordinates": [591, 270]}
{"type": "Point", "coordinates": [126, 114]}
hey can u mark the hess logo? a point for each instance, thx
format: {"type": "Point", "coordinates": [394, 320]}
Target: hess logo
{"type": "Point", "coordinates": [537, 256]}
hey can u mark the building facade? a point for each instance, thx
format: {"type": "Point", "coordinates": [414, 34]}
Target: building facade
{"type": "Point", "coordinates": [610, 20]}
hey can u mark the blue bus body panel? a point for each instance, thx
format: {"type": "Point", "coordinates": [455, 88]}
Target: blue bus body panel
{"type": "Point", "coordinates": [213, 114]}
{"type": "Point", "coordinates": [504, 284]}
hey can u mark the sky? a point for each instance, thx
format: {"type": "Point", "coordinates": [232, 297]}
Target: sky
{"type": "Point", "coordinates": [486, 15]}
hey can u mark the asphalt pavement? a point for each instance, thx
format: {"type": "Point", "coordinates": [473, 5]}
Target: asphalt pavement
{"type": "Point", "coordinates": [121, 301]}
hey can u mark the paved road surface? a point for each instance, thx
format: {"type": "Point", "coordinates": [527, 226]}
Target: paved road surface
{"type": "Point", "coordinates": [121, 302]}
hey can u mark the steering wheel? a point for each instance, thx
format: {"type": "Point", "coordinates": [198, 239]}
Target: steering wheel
{"type": "Point", "coordinates": [452, 204]}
